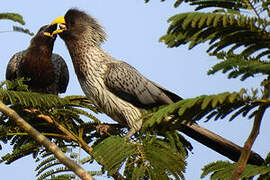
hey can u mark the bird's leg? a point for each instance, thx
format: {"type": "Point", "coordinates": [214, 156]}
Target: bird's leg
{"type": "Point", "coordinates": [131, 132]}
{"type": "Point", "coordinates": [103, 129]}
{"type": "Point", "coordinates": [32, 111]}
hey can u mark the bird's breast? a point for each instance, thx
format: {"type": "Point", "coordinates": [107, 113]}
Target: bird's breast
{"type": "Point", "coordinates": [40, 71]}
{"type": "Point", "coordinates": [91, 65]}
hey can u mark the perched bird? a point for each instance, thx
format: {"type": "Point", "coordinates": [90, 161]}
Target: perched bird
{"type": "Point", "coordinates": [48, 72]}
{"type": "Point", "coordinates": [117, 88]}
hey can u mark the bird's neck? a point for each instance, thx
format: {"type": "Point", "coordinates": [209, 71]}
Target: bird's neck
{"type": "Point", "coordinates": [85, 51]}
{"type": "Point", "coordinates": [87, 58]}
{"type": "Point", "coordinates": [37, 65]}
{"type": "Point", "coordinates": [41, 50]}
{"type": "Point", "coordinates": [39, 56]}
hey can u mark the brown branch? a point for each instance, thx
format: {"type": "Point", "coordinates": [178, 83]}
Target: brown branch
{"type": "Point", "coordinates": [45, 134]}
{"type": "Point", "coordinates": [242, 162]}
{"type": "Point", "coordinates": [69, 134]}
{"type": "Point", "coordinates": [41, 139]}
{"type": "Point", "coordinates": [84, 145]}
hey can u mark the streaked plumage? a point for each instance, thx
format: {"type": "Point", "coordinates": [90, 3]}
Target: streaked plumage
{"type": "Point", "coordinates": [114, 86]}
{"type": "Point", "coordinates": [119, 89]}
{"type": "Point", "coordinates": [48, 71]}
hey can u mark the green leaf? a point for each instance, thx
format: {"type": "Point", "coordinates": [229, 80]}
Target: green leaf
{"type": "Point", "coordinates": [225, 30]}
{"type": "Point", "coordinates": [223, 170]}
{"type": "Point", "coordinates": [151, 157]}
{"type": "Point", "coordinates": [13, 17]}
{"type": "Point", "coordinates": [23, 30]}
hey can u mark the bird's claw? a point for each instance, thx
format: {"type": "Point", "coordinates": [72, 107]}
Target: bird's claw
{"type": "Point", "coordinates": [103, 129]}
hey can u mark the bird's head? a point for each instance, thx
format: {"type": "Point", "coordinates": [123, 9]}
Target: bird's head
{"type": "Point", "coordinates": [41, 37]}
{"type": "Point", "coordinates": [77, 24]}
{"type": "Point", "coordinates": [47, 29]}
{"type": "Point", "coordinates": [41, 40]}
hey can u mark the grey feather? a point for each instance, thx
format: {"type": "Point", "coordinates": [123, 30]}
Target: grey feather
{"type": "Point", "coordinates": [118, 89]}
{"type": "Point", "coordinates": [61, 74]}
{"type": "Point", "coordinates": [11, 70]}
{"type": "Point", "coordinates": [127, 83]}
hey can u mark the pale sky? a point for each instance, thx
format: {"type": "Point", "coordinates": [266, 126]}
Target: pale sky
{"type": "Point", "coordinates": [133, 29]}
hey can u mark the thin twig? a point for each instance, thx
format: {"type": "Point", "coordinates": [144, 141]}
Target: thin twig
{"type": "Point", "coordinates": [45, 134]}
{"type": "Point", "coordinates": [252, 7]}
{"type": "Point", "coordinates": [84, 145]}
{"type": "Point", "coordinates": [242, 162]}
{"type": "Point", "coordinates": [255, 11]}
{"type": "Point", "coordinates": [45, 142]}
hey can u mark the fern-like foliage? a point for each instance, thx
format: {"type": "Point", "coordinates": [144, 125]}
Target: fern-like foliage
{"type": "Point", "coordinates": [23, 150]}
{"type": "Point", "coordinates": [237, 32]}
{"type": "Point", "coordinates": [216, 106]}
{"type": "Point", "coordinates": [51, 168]}
{"type": "Point", "coordinates": [201, 4]}
{"type": "Point", "coordinates": [66, 113]}
{"type": "Point", "coordinates": [22, 30]}
{"type": "Point", "coordinates": [224, 31]}
{"type": "Point", "coordinates": [227, 4]}
{"type": "Point", "coordinates": [16, 93]}
{"type": "Point", "coordinates": [150, 157]}
{"type": "Point", "coordinates": [259, 6]}
{"type": "Point", "coordinates": [237, 65]}
{"type": "Point", "coordinates": [13, 17]}
{"type": "Point", "coordinates": [16, 18]}
{"type": "Point", "coordinates": [223, 170]}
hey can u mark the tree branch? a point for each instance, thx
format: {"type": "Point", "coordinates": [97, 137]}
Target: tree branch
{"type": "Point", "coordinates": [45, 134]}
{"type": "Point", "coordinates": [242, 162]}
{"type": "Point", "coordinates": [78, 139]}
{"type": "Point", "coordinates": [45, 142]}
{"type": "Point", "coordinates": [69, 134]}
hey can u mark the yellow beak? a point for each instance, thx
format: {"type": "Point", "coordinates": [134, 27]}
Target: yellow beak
{"type": "Point", "coordinates": [60, 20]}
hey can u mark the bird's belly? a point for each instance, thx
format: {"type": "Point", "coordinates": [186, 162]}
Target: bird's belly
{"type": "Point", "coordinates": [116, 108]}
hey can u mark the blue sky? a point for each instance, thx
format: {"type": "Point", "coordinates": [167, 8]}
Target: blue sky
{"type": "Point", "coordinates": [133, 29]}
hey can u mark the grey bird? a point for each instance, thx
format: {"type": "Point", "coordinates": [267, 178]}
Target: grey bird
{"type": "Point", "coordinates": [117, 88]}
{"type": "Point", "coordinates": [48, 72]}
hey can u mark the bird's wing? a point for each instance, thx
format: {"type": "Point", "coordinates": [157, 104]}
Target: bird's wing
{"type": "Point", "coordinates": [61, 72]}
{"type": "Point", "coordinates": [127, 83]}
{"type": "Point", "coordinates": [12, 67]}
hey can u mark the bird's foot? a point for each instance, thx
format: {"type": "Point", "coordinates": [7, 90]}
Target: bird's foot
{"type": "Point", "coordinates": [32, 111]}
{"type": "Point", "coordinates": [103, 129]}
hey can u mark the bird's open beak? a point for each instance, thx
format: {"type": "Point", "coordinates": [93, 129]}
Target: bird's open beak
{"type": "Point", "coordinates": [60, 20]}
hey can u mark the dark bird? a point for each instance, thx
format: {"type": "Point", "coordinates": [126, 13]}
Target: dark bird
{"type": "Point", "coordinates": [117, 88]}
{"type": "Point", "coordinates": [48, 72]}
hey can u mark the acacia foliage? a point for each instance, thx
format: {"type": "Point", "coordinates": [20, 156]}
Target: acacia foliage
{"type": "Point", "coordinates": [15, 17]}
{"type": "Point", "coordinates": [237, 34]}
{"type": "Point", "coordinates": [148, 155]}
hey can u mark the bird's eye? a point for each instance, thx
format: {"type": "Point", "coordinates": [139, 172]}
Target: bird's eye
{"type": "Point", "coordinates": [72, 22]}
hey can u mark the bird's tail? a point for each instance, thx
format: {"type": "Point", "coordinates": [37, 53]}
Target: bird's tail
{"type": "Point", "coordinates": [218, 143]}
